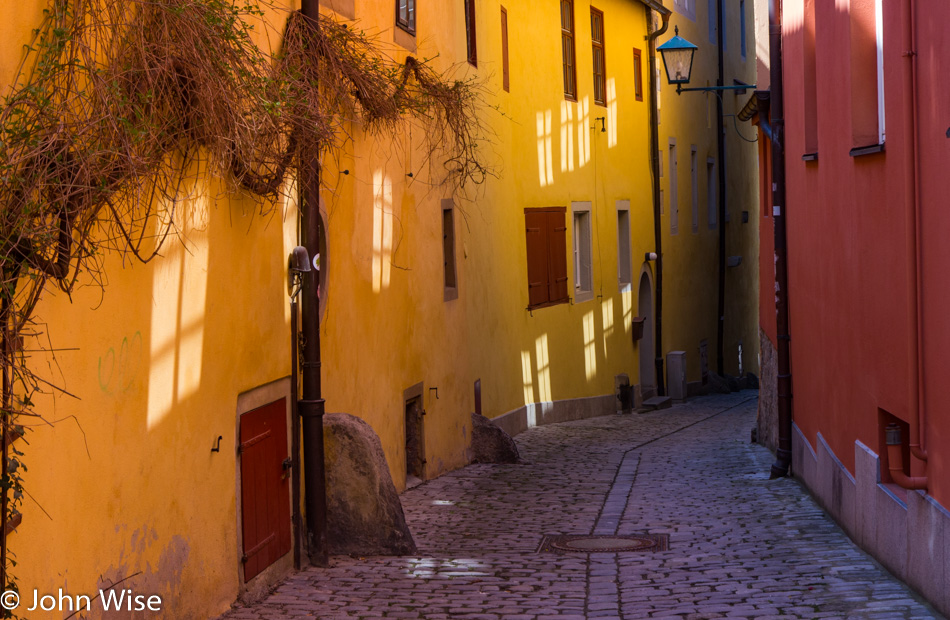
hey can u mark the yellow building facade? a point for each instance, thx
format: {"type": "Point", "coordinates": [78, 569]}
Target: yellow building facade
{"type": "Point", "coordinates": [123, 480]}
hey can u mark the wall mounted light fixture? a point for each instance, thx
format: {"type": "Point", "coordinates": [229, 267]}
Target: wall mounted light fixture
{"type": "Point", "coordinates": [677, 56]}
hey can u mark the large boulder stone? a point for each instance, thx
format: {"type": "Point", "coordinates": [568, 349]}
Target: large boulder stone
{"type": "Point", "coordinates": [717, 384]}
{"type": "Point", "coordinates": [364, 514]}
{"type": "Point", "coordinates": [490, 444]}
{"type": "Point", "coordinates": [748, 381]}
{"type": "Point", "coordinates": [732, 382]}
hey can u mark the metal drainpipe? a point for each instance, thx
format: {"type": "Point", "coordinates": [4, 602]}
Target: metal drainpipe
{"type": "Point", "coordinates": [917, 414]}
{"type": "Point", "coordinates": [295, 427]}
{"type": "Point", "coordinates": [777, 112]}
{"type": "Point", "coordinates": [721, 154]}
{"type": "Point", "coordinates": [657, 228]}
{"type": "Point", "coordinates": [5, 416]}
{"type": "Point", "coordinates": [311, 405]}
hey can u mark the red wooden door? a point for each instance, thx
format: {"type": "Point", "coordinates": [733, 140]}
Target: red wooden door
{"type": "Point", "coordinates": [265, 487]}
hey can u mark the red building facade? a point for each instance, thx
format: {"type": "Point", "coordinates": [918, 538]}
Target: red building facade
{"type": "Point", "coordinates": [866, 144]}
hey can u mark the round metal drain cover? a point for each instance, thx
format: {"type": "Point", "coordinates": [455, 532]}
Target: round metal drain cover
{"type": "Point", "coordinates": [605, 544]}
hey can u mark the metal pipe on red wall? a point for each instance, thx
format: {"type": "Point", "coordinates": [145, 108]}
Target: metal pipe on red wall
{"type": "Point", "coordinates": [777, 112]}
{"type": "Point", "coordinates": [312, 406]}
{"type": "Point", "coordinates": [895, 461]}
{"type": "Point", "coordinates": [655, 161]}
{"type": "Point", "coordinates": [916, 417]}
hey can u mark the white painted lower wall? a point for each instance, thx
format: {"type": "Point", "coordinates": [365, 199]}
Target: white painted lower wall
{"type": "Point", "coordinates": [911, 537]}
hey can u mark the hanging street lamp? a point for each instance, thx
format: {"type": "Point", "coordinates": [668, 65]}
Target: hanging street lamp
{"type": "Point", "coordinates": [677, 56]}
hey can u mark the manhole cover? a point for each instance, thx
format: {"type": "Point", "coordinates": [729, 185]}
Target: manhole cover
{"type": "Point", "coordinates": [604, 544]}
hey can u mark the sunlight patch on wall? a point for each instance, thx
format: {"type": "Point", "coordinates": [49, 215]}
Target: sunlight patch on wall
{"type": "Point", "coordinates": [545, 155]}
{"type": "Point", "coordinates": [179, 294]}
{"type": "Point", "coordinates": [544, 368]}
{"type": "Point", "coordinates": [382, 230]}
{"type": "Point", "coordinates": [611, 112]}
{"type": "Point", "coordinates": [527, 377]}
{"type": "Point", "coordinates": [583, 131]}
{"type": "Point", "coordinates": [590, 347]}
{"type": "Point", "coordinates": [607, 308]}
{"type": "Point", "coordinates": [567, 136]}
{"type": "Point", "coordinates": [626, 301]}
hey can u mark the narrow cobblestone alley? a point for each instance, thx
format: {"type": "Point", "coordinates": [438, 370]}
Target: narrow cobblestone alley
{"type": "Point", "coordinates": [740, 546]}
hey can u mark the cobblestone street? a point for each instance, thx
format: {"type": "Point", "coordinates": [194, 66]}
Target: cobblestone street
{"type": "Point", "coordinates": [740, 546]}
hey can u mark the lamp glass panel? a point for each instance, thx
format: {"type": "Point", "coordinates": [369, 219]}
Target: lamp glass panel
{"type": "Point", "coordinates": [678, 64]}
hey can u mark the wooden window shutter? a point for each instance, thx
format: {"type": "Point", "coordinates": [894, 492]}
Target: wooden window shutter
{"type": "Point", "coordinates": [557, 256]}
{"type": "Point", "coordinates": [538, 277]}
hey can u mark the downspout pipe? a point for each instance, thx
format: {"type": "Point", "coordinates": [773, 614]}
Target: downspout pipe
{"type": "Point", "coordinates": [777, 116]}
{"type": "Point", "coordinates": [721, 155]}
{"type": "Point", "coordinates": [895, 461]}
{"type": "Point", "coordinates": [655, 161]}
{"type": "Point", "coordinates": [311, 404]}
{"type": "Point", "coordinates": [917, 414]}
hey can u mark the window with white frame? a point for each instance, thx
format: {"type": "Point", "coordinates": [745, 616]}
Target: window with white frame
{"type": "Point", "coordinates": [711, 185]}
{"type": "Point", "coordinates": [694, 185]}
{"type": "Point", "coordinates": [742, 28]}
{"type": "Point", "coordinates": [674, 193]}
{"type": "Point", "coordinates": [583, 264]}
{"type": "Point", "coordinates": [624, 255]}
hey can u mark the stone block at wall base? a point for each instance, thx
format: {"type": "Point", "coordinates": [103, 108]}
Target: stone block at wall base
{"type": "Point", "coordinates": [927, 565]}
{"type": "Point", "coordinates": [767, 418]}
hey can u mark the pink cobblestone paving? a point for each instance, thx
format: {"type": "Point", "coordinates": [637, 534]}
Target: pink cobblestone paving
{"type": "Point", "coordinates": [741, 546]}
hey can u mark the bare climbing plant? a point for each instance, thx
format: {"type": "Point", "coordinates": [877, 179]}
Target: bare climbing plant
{"type": "Point", "coordinates": [120, 104]}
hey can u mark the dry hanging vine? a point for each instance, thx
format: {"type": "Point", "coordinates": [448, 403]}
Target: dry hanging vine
{"type": "Point", "coordinates": [119, 104]}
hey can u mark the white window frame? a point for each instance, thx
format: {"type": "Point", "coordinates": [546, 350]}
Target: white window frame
{"type": "Point", "coordinates": [674, 193]}
{"type": "Point", "coordinates": [624, 247]}
{"type": "Point", "coordinates": [581, 242]}
{"type": "Point", "coordinates": [742, 25]}
{"type": "Point", "coordinates": [694, 182]}
{"type": "Point", "coordinates": [879, 39]}
{"type": "Point", "coordinates": [712, 189]}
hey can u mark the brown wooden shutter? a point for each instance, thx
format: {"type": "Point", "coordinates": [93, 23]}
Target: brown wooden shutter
{"type": "Point", "coordinates": [557, 256]}
{"type": "Point", "coordinates": [504, 49]}
{"type": "Point", "coordinates": [536, 226]}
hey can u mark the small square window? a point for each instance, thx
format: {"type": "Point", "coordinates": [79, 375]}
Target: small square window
{"type": "Point", "coordinates": [450, 275]}
{"type": "Point", "coordinates": [406, 15]}
{"type": "Point", "coordinates": [505, 80]}
{"type": "Point", "coordinates": [470, 32]}
{"type": "Point", "coordinates": [637, 74]}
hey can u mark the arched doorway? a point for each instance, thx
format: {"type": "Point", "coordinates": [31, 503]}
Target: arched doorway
{"type": "Point", "coordinates": [645, 310]}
